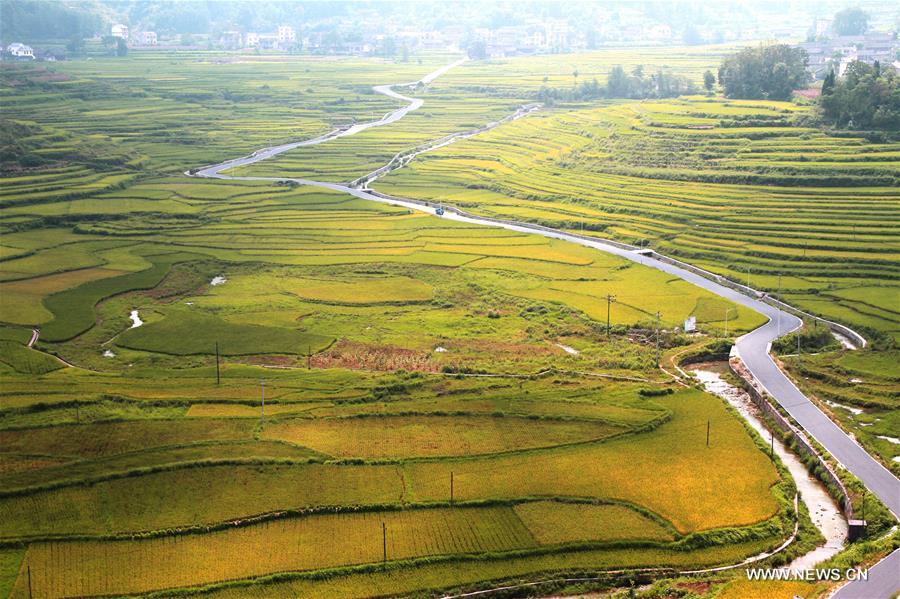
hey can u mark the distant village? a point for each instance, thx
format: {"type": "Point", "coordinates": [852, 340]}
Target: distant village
{"type": "Point", "coordinates": [836, 53]}
{"type": "Point", "coordinates": [534, 35]}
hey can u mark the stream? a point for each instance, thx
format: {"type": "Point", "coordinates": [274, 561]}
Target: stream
{"type": "Point", "coordinates": [823, 510]}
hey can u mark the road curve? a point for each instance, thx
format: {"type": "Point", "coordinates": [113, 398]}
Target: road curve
{"type": "Point", "coordinates": [753, 348]}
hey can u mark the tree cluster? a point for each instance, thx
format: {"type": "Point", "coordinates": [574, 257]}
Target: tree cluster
{"type": "Point", "coordinates": [22, 20]}
{"type": "Point", "coordinates": [867, 97]}
{"type": "Point", "coordinates": [769, 72]}
{"type": "Point", "coordinates": [619, 84]}
{"type": "Point", "coordinates": [851, 21]}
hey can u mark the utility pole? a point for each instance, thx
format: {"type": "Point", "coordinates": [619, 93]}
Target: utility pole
{"type": "Point", "coordinates": [262, 383]}
{"type": "Point", "coordinates": [748, 277]}
{"type": "Point", "coordinates": [609, 300]}
{"type": "Point", "coordinates": [657, 339]}
{"type": "Point", "coordinates": [29, 582]}
{"type": "Point", "coordinates": [772, 445]}
{"type": "Point", "coordinates": [309, 357]}
{"type": "Point", "coordinates": [798, 346]}
{"type": "Point", "coordinates": [217, 362]}
{"type": "Point", "coordinates": [707, 433]}
{"type": "Point", "coordinates": [451, 487]}
{"type": "Point", "coordinates": [384, 541]}
{"type": "Point", "coordinates": [727, 310]}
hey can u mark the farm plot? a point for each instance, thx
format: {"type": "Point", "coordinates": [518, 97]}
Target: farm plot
{"type": "Point", "coordinates": [312, 542]}
{"type": "Point", "coordinates": [193, 494]}
{"type": "Point", "coordinates": [631, 468]}
{"type": "Point", "coordinates": [184, 332]}
{"type": "Point", "coordinates": [435, 577]}
{"type": "Point", "coordinates": [90, 567]}
{"type": "Point", "coordinates": [425, 436]}
{"type": "Point", "coordinates": [18, 473]}
{"type": "Point", "coordinates": [627, 468]}
{"type": "Point", "coordinates": [555, 522]}
{"type": "Point", "coordinates": [109, 438]}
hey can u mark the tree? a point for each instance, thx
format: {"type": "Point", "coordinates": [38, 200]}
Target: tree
{"type": "Point", "coordinates": [851, 21]}
{"type": "Point", "coordinates": [477, 49]}
{"type": "Point", "coordinates": [865, 98]}
{"type": "Point", "coordinates": [121, 47]}
{"type": "Point", "coordinates": [617, 82]}
{"type": "Point", "coordinates": [75, 45]}
{"type": "Point", "coordinates": [110, 42]}
{"type": "Point", "coordinates": [34, 20]}
{"type": "Point", "coordinates": [690, 36]}
{"type": "Point", "coordinates": [765, 72]}
{"type": "Point", "coordinates": [709, 81]}
{"type": "Point", "coordinates": [389, 47]}
{"type": "Point", "coordinates": [828, 83]}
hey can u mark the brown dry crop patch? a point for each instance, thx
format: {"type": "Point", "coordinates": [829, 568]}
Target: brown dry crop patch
{"type": "Point", "coordinates": [365, 356]}
{"type": "Point", "coordinates": [700, 587]}
{"type": "Point", "coordinates": [45, 78]}
{"type": "Point", "coordinates": [268, 360]}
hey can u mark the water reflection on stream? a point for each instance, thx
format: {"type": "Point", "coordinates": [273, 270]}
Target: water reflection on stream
{"type": "Point", "coordinates": [823, 510]}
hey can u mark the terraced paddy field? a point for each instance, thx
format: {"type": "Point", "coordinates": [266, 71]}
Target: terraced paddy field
{"type": "Point", "coordinates": [736, 187]}
{"type": "Point", "coordinates": [468, 97]}
{"type": "Point", "coordinates": [230, 376]}
{"type": "Point", "coordinates": [312, 274]}
{"type": "Point", "coordinates": [204, 106]}
{"type": "Point", "coordinates": [205, 477]}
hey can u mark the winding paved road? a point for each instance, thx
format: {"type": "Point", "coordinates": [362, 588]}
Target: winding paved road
{"type": "Point", "coordinates": [753, 347]}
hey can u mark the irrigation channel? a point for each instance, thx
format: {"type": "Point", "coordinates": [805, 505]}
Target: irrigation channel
{"type": "Point", "coordinates": [753, 348]}
{"type": "Point", "coordinates": [823, 510]}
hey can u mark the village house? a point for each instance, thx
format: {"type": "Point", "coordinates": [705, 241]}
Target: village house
{"type": "Point", "coordinates": [119, 30]}
{"type": "Point", "coordinates": [283, 38]}
{"type": "Point", "coordinates": [18, 50]}
{"type": "Point", "coordinates": [838, 52]}
{"type": "Point", "coordinates": [231, 40]}
{"type": "Point", "coordinates": [147, 38]}
{"type": "Point", "coordinates": [286, 35]}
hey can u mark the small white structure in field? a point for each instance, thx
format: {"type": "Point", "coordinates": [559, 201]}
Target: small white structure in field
{"type": "Point", "coordinates": [690, 325]}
